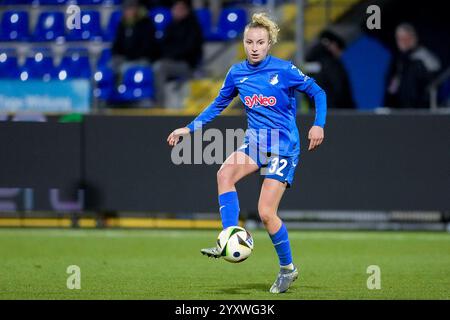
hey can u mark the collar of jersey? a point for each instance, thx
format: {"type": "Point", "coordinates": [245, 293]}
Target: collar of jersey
{"type": "Point", "coordinates": [260, 65]}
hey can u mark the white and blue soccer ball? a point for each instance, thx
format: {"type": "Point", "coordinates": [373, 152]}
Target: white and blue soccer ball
{"type": "Point", "coordinates": [235, 244]}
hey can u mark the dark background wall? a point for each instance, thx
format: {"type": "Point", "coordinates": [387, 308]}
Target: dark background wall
{"type": "Point", "coordinates": [367, 162]}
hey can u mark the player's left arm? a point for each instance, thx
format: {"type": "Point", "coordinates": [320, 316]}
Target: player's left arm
{"type": "Point", "coordinates": [303, 83]}
{"type": "Point", "coordinates": [316, 133]}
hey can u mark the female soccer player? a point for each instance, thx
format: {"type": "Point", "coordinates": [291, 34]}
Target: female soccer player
{"type": "Point", "coordinates": [266, 86]}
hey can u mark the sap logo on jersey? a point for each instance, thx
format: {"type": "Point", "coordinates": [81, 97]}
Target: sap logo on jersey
{"type": "Point", "coordinates": [259, 100]}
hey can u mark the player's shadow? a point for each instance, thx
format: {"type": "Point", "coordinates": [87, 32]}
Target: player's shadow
{"type": "Point", "coordinates": [260, 287]}
{"type": "Point", "coordinates": [246, 288]}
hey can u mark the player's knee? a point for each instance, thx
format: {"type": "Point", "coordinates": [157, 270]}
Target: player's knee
{"type": "Point", "coordinates": [224, 177]}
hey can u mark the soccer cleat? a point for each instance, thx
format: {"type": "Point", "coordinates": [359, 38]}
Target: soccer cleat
{"type": "Point", "coordinates": [211, 252]}
{"type": "Point", "coordinates": [284, 280]}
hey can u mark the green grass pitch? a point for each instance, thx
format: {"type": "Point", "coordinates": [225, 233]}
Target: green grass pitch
{"type": "Point", "coordinates": [167, 264]}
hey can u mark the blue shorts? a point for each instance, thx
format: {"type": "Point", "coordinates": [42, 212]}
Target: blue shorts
{"type": "Point", "coordinates": [272, 166]}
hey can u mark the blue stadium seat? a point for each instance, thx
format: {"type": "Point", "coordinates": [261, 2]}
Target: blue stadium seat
{"type": "Point", "coordinates": [104, 84]}
{"type": "Point", "coordinates": [8, 64]}
{"type": "Point", "coordinates": [137, 84]}
{"type": "Point", "coordinates": [113, 23]}
{"type": "Point", "coordinates": [50, 26]}
{"type": "Point", "coordinates": [257, 2]}
{"type": "Point", "coordinates": [14, 26]}
{"type": "Point", "coordinates": [50, 2]}
{"type": "Point", "coordinates": [161, 17]}
{"type": "Point", "coordinates": [38, 66]}
{"type": "Point", "coordinates": [112, 2]}
{"type": "Point", "coordinates": [74, 64]}
{"type": "Point", "coordinates": [11, 2]}
{"type": "Point", "coordinates": [204, 18]}
{"type": "Point", "coordinates": [232, 22]}
{"type": "Point", "coordinates": [89, 2]}
{"type": "Point", "coordinates": [90, 27]}
{"type": "Point", "coordinates": [104, 59]}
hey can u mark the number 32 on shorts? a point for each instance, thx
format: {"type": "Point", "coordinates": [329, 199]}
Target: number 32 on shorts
{"type": "Point", "coordinates": [276, 166]}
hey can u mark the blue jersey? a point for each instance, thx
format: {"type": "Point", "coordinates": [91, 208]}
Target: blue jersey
{"type": "Point", "coordinates": [267, 92]}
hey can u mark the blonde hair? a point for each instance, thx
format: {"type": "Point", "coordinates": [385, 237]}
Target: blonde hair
{"type": "Point", "coordinates": [262, 20]}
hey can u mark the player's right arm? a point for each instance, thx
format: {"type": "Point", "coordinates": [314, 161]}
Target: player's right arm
{"type": "Point", "coordinates": [226, 95]}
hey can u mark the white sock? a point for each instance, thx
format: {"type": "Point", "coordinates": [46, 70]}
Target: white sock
{"type": "Point", "coordinates": [288, 267]}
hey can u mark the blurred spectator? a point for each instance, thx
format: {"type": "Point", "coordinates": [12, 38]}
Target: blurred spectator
{"type": "Point", "coordinates": [412, 69]}
{"type": "Point", "coordinates": [181, 49]}
{"type": "Point", "coordinates": [329, 72]}
{"type": "Point", "coordinates": [135, 42]}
